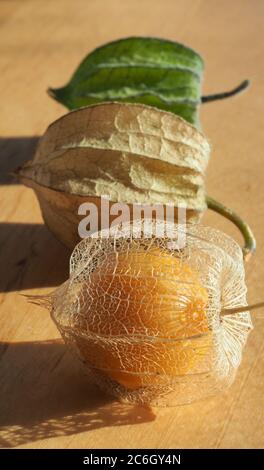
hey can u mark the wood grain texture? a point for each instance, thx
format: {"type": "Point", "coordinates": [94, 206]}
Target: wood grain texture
{"type": "Point", "coordinates": [45, 400]}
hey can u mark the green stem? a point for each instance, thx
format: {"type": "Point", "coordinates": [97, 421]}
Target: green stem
{"type": "Point", "coordinates": [249, 239]}
{"type": "Point", "coordinates": [226, 94]}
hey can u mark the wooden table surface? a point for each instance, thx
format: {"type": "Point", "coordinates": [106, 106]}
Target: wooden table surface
{"type": "Point", "coordinates": [45, 399]}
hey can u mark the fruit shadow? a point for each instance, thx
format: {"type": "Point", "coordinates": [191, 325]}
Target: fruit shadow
{"type": "Point", "coordinates": [14, 151]}
{"type": "Point", "coordinates": [46, 394]}
{"type": "Point", "coordinates": [30, 257]}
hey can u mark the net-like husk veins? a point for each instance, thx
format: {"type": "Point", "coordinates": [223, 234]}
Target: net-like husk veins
{"type": "Point", "coordinates": [144, 316]}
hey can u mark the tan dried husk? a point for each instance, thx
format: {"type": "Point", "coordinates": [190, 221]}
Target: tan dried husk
{"type": "Point", "coordinates": [219, 262]}
{"type": "Point", "coordinates": [129, 152]}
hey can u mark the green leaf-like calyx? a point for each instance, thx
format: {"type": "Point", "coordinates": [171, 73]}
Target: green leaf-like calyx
{"type": "Point", "coordinates": [156, 72]}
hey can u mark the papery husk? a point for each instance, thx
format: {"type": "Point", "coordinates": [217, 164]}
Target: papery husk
{"type": "Point", "coordinates": [218, 261]}
{"type": "Point", "coordinates": [60, 212]}
{"type": "Point", "coordinates": [131, 153]}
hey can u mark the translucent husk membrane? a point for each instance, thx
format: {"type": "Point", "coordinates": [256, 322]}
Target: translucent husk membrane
{"type": "Point", "coordinates": [144, 331]}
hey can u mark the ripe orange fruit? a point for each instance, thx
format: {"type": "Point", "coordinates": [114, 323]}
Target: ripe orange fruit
{"type": "Point", "coordinates": [143, 317]}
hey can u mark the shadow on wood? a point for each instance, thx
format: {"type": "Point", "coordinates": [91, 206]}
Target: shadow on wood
{"type": "Point", "coordinates": [14, 151]}
{"type": "Point", "coordinates": [30, 257]}
{"type": "Point", "coordinates": [45, 393]}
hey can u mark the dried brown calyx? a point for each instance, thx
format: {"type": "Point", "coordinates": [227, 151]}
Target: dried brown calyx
{"type": "Point", "coordinates": [130, 152]}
